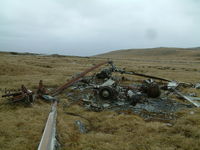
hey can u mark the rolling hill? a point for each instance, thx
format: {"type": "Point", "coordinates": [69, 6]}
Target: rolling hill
{"type": "Point", "coordinates": [163, 52]}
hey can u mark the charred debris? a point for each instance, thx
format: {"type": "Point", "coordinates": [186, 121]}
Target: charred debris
{"type": "Point", "coordinates": [149, 98]}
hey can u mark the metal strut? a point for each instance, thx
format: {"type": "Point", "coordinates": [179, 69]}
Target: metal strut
{"type": "Point", "coordinates": [72, 81]}
{"type": "Point", "coordinates": [48, 140]}
{"type": "Point", "coordinates": [190, 99]}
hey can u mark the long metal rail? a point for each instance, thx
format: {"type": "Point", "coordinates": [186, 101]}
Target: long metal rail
{"type": "Point", "coordinates": [191, 100]}
{"type": "Point", "coordinates": [148, 76]}
{"type": "Point", "coordinates": [48, 140]}
{"type": "Point", "coordinates": [72, 81]}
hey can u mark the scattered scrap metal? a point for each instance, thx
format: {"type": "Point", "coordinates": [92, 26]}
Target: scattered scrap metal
{"type": "Point", "coordinates": [48, 140]}
{"type": "Point", "coordinates": [102, 91]}
{"type": "Point", "coordinates": [148, 98]}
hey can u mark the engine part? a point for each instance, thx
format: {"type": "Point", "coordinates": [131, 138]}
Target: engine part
{"type": "Point", "coordinates": [153, 91]}
{"type": "Point", "coordinates": [151, 88]}
{"type": "Point", "coordinates": [107, 93]}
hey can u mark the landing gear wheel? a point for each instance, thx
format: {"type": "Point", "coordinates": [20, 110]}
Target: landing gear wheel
{"type": "Point", "coordinates": [106, 93]}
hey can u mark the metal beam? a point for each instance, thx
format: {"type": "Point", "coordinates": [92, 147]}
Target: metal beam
{"type": "Point", "coordinates": [48, 140]}
{"type": "Point", "coordinates": [197, 104]}
{"type": "Point", "coordinates": [72, 81]}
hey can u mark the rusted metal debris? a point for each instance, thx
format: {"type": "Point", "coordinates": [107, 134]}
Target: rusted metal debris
{"type": "Point", "coordinates": [105, 87]}
{"type": "Point", "coordinates": [103, 91]}
{"type": "Point", "coordinates": [41, 90]}
{"type": "Point", "coordinates": [44, 93]}
{"type": "Point", "coordinates": [106, 73]}
{"type": "Point", "coordinates": [72, 81]}
{"type": "Point", "coordinates": [48, 141]}
{"type": "Point", "coordinates": [28, 96]}
{"type": "Point", "coordinates": [24, 95]}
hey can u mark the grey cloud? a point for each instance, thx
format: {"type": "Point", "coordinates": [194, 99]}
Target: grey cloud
{"type": "Point", "coordinates": [77, 27]}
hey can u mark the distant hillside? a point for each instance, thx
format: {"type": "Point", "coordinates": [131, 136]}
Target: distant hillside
{"type": "Point", "coordinates": [17, 53]}
{"type": "Point", "coordinates": [153, 52]}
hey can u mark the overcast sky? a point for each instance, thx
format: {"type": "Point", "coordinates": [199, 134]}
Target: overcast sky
{"type": "Point", "coordinates": [88, 27]}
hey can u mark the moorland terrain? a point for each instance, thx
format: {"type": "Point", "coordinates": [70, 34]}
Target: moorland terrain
{"type": "Point", "coordinates": [21, 126]}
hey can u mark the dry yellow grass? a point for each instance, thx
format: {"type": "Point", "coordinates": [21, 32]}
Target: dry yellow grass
{"type": "Point", "coordinates": [21, 126]}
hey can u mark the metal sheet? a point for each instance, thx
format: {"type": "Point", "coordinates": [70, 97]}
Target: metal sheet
{"type": "Point", "coordinates": [194, 102]}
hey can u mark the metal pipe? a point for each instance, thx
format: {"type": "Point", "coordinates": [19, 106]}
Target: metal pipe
{"type": "Point", "coordinates": [72, 81]}
{"type": "Point", "coordinates": [197, 104]}
{"type": "Point", "coordinates": [148, 76]}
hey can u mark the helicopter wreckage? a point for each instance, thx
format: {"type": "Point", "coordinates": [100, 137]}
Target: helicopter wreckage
{"type": "Point", "coordinates": [102, 91]}
{"type": "Point", "coordinates": [149, 98]}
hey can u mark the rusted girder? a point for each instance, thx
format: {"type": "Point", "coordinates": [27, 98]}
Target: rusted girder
{"type": "Point", "coordinates": [72, 81]}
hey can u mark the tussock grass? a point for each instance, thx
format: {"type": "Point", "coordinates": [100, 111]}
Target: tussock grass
{"type": "Point", "coordinates": [21, 126]}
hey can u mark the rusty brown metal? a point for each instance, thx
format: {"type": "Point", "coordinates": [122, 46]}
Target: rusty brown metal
{"type": "Point", "coordinates": [24, 95]}
{"type": "Point", "coordinates": [41, 89]}
{"type": "Point", "coordinates": [12, 94]}
{"type": "Point", "coordinates": [72, 81]}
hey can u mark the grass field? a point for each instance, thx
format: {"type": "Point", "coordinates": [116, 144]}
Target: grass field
{"type": "Point", "coordinates": [21, 126]}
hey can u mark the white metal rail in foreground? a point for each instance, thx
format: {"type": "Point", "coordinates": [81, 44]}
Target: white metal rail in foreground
{"type": "Point", "coordinates": [48, 140]}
